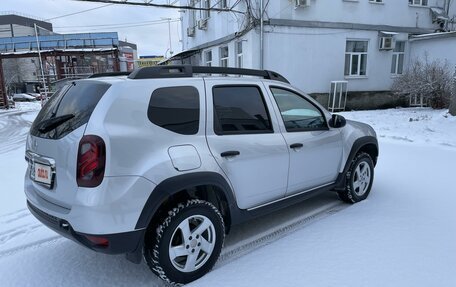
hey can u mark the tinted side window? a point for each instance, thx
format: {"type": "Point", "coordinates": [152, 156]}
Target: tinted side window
{"type": "Point", "coordinates": [176, 109]}
{"type": "Point", "coordinates": [240, 110]}
{"type": "Point", "coordinates": [298, 113]}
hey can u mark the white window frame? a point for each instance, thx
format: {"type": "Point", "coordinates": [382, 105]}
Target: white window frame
{"type": "Point", "coordinates": [192, 15]}
{"type": "Point", "coordinates": [359, 55]}
{"type": "Point", "coordinates": [376, 1]}
{"type": "Point", "coordinates": [419, 3]}
{"type": "Point", "coordinates": [207, 61]}
{"type": "Point", "coordinates": [396, 55]}
{"type": "Point", "coordinates": [205, 14]}
{"type": "Point", "coordinates": [224, 61]}
{"type": "Point", "coordinates": [223, 4]}
{"type": "Point", "coordinates": [239, 54]}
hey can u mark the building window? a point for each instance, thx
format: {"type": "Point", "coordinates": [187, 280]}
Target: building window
{"type": "Point", "coordinates": [418, 2]}
{"type": "Point", "coordinates": [223, 4]}
{"type": "Point", "coordinates": [356, 58]}
{"type": "Point", "coordinates": [397, 64]}
{"type": "Point", "coordinates": [192, 15]}
{"type": "Point", "coordinates": [376, 1]}
{"type": "Point", "coordinates": [224, 56]}
{"type": "Point", "coordinates": [239, 62]}
{"type": "Point", "coordinates": [208, 58]}
{"type": "Point", "coordinates": [205, 4]}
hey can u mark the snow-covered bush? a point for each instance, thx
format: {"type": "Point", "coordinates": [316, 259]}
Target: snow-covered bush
{"type": "Point", "coordinates": [431, 80]}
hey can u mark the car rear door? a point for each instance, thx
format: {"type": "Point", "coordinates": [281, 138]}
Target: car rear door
{"type": "Point", "coordinates": [315, 148]}
{"type": "Point", "coordinates": [52, 150]}
{"type": "Point", "coordinates": [244, 137]}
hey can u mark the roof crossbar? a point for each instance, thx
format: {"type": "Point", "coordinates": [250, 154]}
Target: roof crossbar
{"type": "Point", "coordinates": [187, 71]}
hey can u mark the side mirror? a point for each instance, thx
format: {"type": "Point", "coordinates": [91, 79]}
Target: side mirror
{"type": "Point", "coordinates": [337, 121]}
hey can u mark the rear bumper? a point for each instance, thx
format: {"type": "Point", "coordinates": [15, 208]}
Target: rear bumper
{"type": "Point", "coordinates": [118, 243]}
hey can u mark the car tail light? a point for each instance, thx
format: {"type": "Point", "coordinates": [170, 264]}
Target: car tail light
{"type": "Point", "coordinates": [98, 241]}
{"type": "Point", "coordinates": [91, 161]}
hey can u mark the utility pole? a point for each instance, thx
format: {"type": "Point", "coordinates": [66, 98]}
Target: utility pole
{"type": "Point", "coordinates": [41, 60]}
{"type": "Point", "coordinates": [261, 35]}
{"type": "Point", "coordinates": [169, 37]}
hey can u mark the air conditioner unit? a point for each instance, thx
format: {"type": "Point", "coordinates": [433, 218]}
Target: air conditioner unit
{"type": "Point", "coordinates": [191, 31]}
{"type": "Point", "coordinates": [202, 24]}
{"type": "Point", "coordinates": [302, 3]}
{"type": "Point", "coordinates": [387, 43]}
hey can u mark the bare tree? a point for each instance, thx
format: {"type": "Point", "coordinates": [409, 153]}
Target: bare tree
{"type": "Point", "coordinates": [430, 80]}
{"type": "Point", "coordinates": [12, 74]}
{"type": "Point", "coordinates": [453, 99]}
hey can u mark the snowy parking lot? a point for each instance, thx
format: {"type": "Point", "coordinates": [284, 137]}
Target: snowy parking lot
{"type": "Point", "coordinates": [404, 234]}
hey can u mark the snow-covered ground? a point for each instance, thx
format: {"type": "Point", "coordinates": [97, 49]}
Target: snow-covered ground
{"type": "Point", "coordinates": [403, 235]}
{"type": "Point", "coordinates": [414, 125]}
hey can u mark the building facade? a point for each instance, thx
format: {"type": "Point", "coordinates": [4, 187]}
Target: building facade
{"type": "Point", "coordinates": [12, 25]}
{"type": "Point", "coordinates": [63, 56]}
{"type": "Point", "coordinates": [314, 42]}
{"type": "Point", "coordinates": [149, 61]}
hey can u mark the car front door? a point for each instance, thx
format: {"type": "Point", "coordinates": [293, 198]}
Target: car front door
{"type": "Point", "coordinates": [315, 148]}
{"type": "Point", "coordinates": [245, 139]}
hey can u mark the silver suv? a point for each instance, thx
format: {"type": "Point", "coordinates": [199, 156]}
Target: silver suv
{"type": "Point", "coordinates": [160, 164]}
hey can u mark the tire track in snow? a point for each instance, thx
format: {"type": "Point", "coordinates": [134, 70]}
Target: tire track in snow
{"type": "Point", "coordinates": [13, 131]}
{"type": "Point", "coordinates": [18, 249]}
{"type": "Point", "coordinates": [14, 216]}
{"type": "Point", "coordinates": [231, 253]}
{"type": "Point", "coordinates": [18, 232]}
{"type": "Point", "coordinates": [12, 213]}
{"type": "Point", "coordinates": [12, 234]}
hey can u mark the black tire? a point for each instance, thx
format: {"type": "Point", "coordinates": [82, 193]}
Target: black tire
{"type": "Point", "coordinates": [351, 193]}
{"type": "Point", "coordinates": [159, 240]}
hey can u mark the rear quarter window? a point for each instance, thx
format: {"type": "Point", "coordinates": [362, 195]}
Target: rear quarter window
{"type": "Point", "coordinates": [79, 99]}
{"type": "Point", "coordinates": [176, 109]}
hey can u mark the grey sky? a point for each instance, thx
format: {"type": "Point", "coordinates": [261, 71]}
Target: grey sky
{"type": "Point", "coordinates": [151, 39]}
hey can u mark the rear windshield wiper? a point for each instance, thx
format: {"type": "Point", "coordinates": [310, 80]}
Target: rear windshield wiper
{"type": "Point", "coordinates": [50, 124]}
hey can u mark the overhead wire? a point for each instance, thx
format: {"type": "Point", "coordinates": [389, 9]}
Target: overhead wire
{"type": "Point", "coordinates": [150, 4]}
{"type": "Point", "coordinates": [123, 27]}
{"type": "Point", "coordinates": [79, 12]}
{"type": "Point", "coordinates": [116, 24]}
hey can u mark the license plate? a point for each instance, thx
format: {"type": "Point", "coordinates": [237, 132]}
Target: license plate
{"type": "Point", "coordinates": [43, 173]}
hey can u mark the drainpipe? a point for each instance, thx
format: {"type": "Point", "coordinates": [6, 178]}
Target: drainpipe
{"type": "Point", "coordinates": [261, 35]}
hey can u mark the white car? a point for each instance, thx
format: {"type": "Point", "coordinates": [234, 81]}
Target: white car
{"type": "Point", "coordinates": [161, 164]}
{"type": "Point", "coordinates": [23, 98]}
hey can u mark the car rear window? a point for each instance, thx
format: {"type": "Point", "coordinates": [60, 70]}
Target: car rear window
{"type": "Point", "coordinates": [79, 99]}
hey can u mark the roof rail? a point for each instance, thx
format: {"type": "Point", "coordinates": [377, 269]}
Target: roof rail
{"type": "Point", "coordinates": [186, 71]}
{"type": "Point", "coordinates": [110, 74]}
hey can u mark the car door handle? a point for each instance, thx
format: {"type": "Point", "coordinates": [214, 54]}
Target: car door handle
{"type": "Point", "coordinates": [230, 153]}
{"type": "Point", "coordinates": [296, 145]}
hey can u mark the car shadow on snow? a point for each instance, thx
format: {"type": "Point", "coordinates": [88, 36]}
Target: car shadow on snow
{"type": "Point", "coordinates": [62, 262]}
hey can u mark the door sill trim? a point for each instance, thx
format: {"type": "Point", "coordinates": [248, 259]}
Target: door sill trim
{"type": "Point", "coordinates": [290, 196]}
